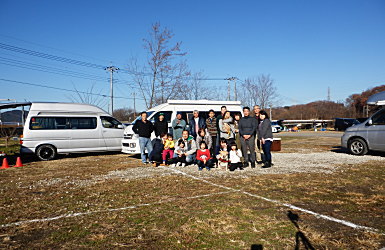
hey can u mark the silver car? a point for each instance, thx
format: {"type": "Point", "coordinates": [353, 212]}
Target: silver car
{"type": "Point", "coordinates": [369, 135]}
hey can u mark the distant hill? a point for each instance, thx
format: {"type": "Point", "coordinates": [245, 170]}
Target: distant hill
{"type": "Point", "coordinates": [12, 116]}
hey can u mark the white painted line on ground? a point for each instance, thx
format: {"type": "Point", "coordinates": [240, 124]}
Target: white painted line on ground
{"type": "Point", "coordinates": [109, 210]}
{"type": "Point", "coordinates": [325, 217]}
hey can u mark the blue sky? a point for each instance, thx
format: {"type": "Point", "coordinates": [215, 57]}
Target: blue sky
{"type": "Point", "coordinates": [306, 46]}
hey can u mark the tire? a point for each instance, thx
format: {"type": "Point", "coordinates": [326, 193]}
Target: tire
{"type": "Point", "coordinates": [46, 152]}
{"type": "Point", "coordinates": [358, 146]}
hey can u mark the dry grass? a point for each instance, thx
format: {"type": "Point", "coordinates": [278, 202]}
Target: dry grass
{"type": "Point", "coordinates": [174, 219]}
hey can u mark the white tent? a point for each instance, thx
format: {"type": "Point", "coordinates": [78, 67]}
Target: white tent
{"type": "Point", "coordinates": [377, 99]}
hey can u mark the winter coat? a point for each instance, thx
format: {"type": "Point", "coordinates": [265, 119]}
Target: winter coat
{"type": "Point", "coordinates": [177, 129]}
{"type": "Point", "coordinates": [201, 124]}
{"type": "Point", "coordinates": [208, 139]}
{"type": "Point", "coordinates": [160, 127]}
{"type": "Point", "coordinates": [211, 125]}
{"type": "Point", "coordinates": [190, 145]}
{"type": "Point", "coordinates": [247, 126]}
{"type": "Point", "coordinates": [144, 129]}
{"type": "Point", "coordinates": [226, 128]}
{"type": "Point", "coordinates": [264, 129]}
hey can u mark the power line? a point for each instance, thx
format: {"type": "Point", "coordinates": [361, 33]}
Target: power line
{"type": "Point", "coordinates": [63, 89]}
{"type": "Point", "coordinates": [48, 56]}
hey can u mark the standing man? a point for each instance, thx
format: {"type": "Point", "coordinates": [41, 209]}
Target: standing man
{"type": "Point", "coordinates": [247, 127]}
{"type": "Point", "coordinates": [257, 142]}
{"type": "Point", "coordinates": [211, 125]}
{"type": "Point", "coordinates": [161, 126]}
{"type": "Point", "coordinates": [178, 125]}
{"type": "Point", "coordinates": [196, 123]}
{"type": "Point", "coordinates": [144, 129]}
{"type": "Point", "coordinates": [223, 111]}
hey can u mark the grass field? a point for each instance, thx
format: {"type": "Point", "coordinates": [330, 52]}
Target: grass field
{"type": "Point", "coordinates": [113, 201]}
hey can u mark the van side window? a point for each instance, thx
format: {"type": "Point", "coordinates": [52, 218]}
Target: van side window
{"type": "Point", "coordinates": [379, 118]}
{"type": "Point", "coordinates": [47, 123]}
{"type": "Point", "coordinates": [109, 122]}
{"type": "Point", "coordinates": [82, 122]}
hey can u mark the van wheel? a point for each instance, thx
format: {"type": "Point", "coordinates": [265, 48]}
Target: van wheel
{"type": "Point", "coordinates": [46, 152]}
{"type": "Point", "coordinates": [357, 146]}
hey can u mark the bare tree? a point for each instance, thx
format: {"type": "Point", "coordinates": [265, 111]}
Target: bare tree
{"type": "Point", "coordinates": [89, 97]}
{"type": "Point", "coordinates": [258, 90]}
{"type": "Point", "coordinates": [165, 72]}
{"type": "Point", "coordinates": [7, 132]}
{"type": "Point", "coordinates": [124, 114]}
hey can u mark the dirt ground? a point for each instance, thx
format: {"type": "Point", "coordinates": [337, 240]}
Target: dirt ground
{"type": "Point", "coordinates": [315, 196]}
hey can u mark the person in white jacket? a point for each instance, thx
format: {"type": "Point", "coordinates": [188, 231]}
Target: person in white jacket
{"type": "Point", "coordinates": [235, 156]}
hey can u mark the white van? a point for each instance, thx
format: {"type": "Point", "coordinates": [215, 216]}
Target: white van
{"type": "Point", "coordinates": [130, 143]}
{"type": "Point", "coordinates": [62, 128]}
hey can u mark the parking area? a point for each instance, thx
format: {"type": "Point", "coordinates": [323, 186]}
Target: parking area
{"type": "Point", "coordinates": [315, 194]}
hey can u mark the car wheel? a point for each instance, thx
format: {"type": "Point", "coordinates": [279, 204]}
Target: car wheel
{"type": "Point", "coordinates": [358, 146]}
{"type": "Point", "coordinates": [46, 152]}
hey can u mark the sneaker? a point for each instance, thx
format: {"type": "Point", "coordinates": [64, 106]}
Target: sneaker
{"type": "Point", "coordinates": [172, 165]}
{"type": "Point", "coordinates": [200, 169]}
{"type": "Point", "coordinates": [259, 162]}
{"type": "Point", "coordinates": [241, 168]}
{"type": "Point", "coordinates": [208, 169]}
{"type": "Point", "coordinates": [177, 165]}
{"type": "Point", "coordinates": [183, 165]}
{"type": "Point", "coordinates": [154, 163]}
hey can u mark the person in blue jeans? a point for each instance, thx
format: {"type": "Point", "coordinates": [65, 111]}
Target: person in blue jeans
{"type": "Point", "coordinates": [265, 135]}
{"type": "Point", "coordinates": [144, 128]}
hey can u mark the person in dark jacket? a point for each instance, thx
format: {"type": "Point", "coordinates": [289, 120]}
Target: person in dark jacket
{"type": "Point", "coordinates": [196, 123]}
{"type": "Point", "coordinates": [144, 128]}
{"type": "Point", "coordinates": [155, 156]}
{"type": "Point", "coordinates": [256, 110]}
{"type": "Point", "coordinates": [160, 126]}
{"type": "Point", "coordinates": [265, 135]}
{"type": "Point", "coordinates": [247, 128]}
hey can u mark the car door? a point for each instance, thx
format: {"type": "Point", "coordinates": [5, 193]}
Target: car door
{"type": "Point", "coordinates": [85, 135]}
{"type": "Point", "coordinates": [113, 131]}
{"type": "Point", "coordinates": [376, 131]}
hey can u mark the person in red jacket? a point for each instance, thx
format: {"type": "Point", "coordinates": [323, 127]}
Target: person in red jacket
{"type": "Point", "coordinates": [204, 159]}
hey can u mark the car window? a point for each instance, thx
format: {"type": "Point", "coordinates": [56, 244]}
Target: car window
{"type": "Point", "coordinates": [110, 122]}
{"type": "Point", "coordinates": [379, 118]}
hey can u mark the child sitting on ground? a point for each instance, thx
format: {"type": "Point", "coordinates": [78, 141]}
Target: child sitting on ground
{"type": "Point", "coordinates": [180, 159]}
{"type": "Point", "coordinates": [223, 155]}
{"type": "Point", "coordinates": [235, 156]}
{"type": "Point", "coordinates": [168, 148]}
{"type": "Point", "coordinates": [203, 157]}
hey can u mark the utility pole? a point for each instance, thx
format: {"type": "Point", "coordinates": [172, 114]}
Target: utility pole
{"type": "Point", "coordinates": [228, 87]}
{"type": "Point", "coordinates": [112, 69]}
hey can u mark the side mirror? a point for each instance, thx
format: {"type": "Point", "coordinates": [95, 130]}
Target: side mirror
{"type": "Point", "coordinates": [369, 123]}
{"type": "Point", "coordinates": [120, 126]}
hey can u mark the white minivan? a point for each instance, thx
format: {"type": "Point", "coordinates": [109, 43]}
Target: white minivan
{"type": "Point", "coordinates": [130, 143]}
{"type": "Point", "coordinates": [62, 128]}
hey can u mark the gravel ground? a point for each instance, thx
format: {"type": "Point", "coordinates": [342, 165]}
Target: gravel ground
{"type": "Point", "coordinates": [288, 163]}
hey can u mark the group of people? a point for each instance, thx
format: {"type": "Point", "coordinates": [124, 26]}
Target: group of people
{"type": "Point", "coordinates": [224, 141]}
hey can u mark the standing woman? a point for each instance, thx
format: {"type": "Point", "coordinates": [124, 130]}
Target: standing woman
{"type": "Point", "coordinates": [226, 127]}
{"type": "Point", "coordinates": [237, 117]}
{"type": "Point", "coordinates": [265, 136]}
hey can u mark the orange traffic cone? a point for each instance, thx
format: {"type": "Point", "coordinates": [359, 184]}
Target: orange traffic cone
{"type": "Point", "coordinates": [18, 163]}
{"type": "Point", "coordinates": [5, 164]}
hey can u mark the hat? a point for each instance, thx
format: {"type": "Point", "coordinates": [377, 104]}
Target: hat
{"type": "Point", "coordinates": [161, 114]}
